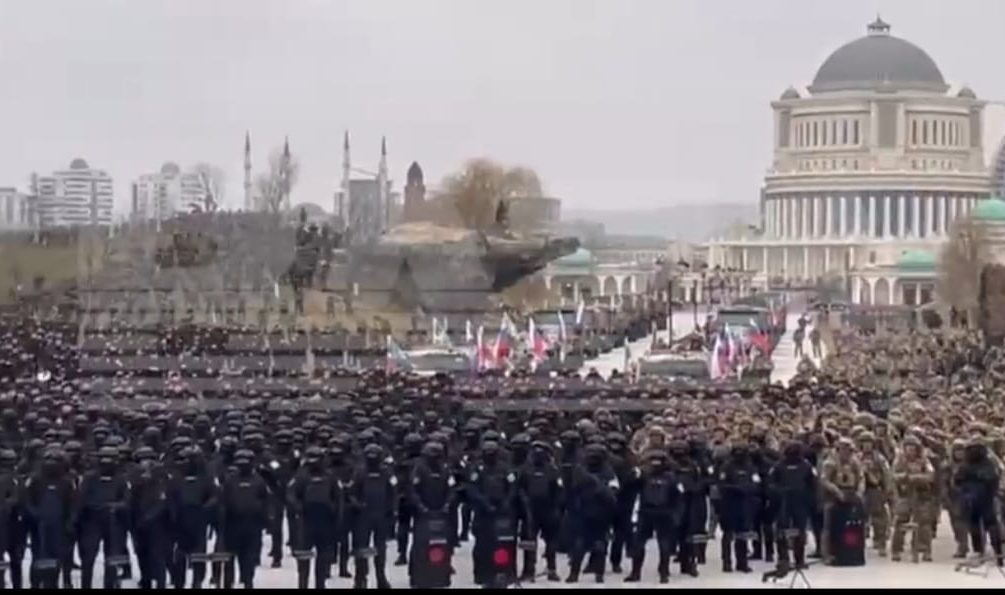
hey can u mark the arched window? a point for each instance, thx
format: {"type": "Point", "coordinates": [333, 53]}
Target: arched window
{"type": "Point", "coordinates": [834, 132]}
{"type": "Point", "coordinates": [815, 138]}
{"type": "Point", "coordinates": [942, 132]}
{"type": "Point", "coordinates": [924, 132]}
{"type": "Point", "coordinates": [855, 130]}
{"type": "Point", "coordinates": [844, 131]}
{"type": "Point", "coordinates": [823, 133]}
{"type": "Point", "coordinates": [914, 132]}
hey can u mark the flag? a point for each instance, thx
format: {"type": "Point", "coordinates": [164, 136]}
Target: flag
{"type": "Point", "coordinates": [468, 334]}
{"type": "Point", "coordinates": [397, 359]}
{"type": "Point", "coordinates": [275, 289]}
{"type": "Point", "coordinates": [714, 369]}
{"type": "Point", "coordinates": [561, 328]}
{"type": "Point", "coordinates": [580, 310]}
{"type": "Point", "coordinates": [538, 344]}
{"type": "Point", "coordinates": [628, 356]}
{"type": "Point", "coordinates": [345, 356]}
{"type": "Point", "coordinates": [480, 352]}
{"type": "Point", "coordinates": [434, 336]}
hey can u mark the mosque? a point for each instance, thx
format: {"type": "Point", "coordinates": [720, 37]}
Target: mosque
{"type": "Point", "coordinates": [872, 164]}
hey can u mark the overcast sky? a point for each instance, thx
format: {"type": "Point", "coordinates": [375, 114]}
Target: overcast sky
{"type": "Point", "coordinates": [615, 102]}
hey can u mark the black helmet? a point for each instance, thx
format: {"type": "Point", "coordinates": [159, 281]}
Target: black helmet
{"type": "Point", "coordinates": [244, 455]}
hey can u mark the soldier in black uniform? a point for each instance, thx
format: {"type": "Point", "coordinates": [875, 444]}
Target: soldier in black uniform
{"type": "Point", "coordinates": [978, 480]}
{"type": "Point", "coordinates": [766, 507]}
{"type": "Point", "coordinates": [738, 483]}
{"type": "Point", "coordinates": [539, 484]}
{"type": "Point", "coordinates": [50, 503]}
{"type": "Point", "coordinates": [693, 479]}
{"type": "Point", "coordinates": [792, 483]}
{"type": "Point", "coordinates": [372, 498]}
{"type": "Point", "coordinates": [150, 520]}
{"type": "Point", "coordinates": [343, 469]}
{"type": "Point", "coordinates": [431, 491]}
{"type": "Point", "coordinates": [278, 468]}
{"type": "Point", "coordinates": [9, 495]}
{"type": "Point", "coordinates": [568, 460]}
{"type": "Point", "coordinates": [315, 500]}
{"type": "Point", "coordinates": [192, 496]}
{"type": "Point", "coordinates": [104, 498]}
{"type": "Point", "coordinates": [660, 511]}
{"type": "Point", "coordinates": [591, 505]}
{"type": "Point", "coordinates": [491, 490]}
{"type": "Point", "coordinates": [404, 466]}
{"type": "Point", "coordinates": [245, 510]}
{"type": "Point", "coordinates": [621, 460]}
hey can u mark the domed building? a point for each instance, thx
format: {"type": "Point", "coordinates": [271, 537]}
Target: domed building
{"type": "Point", "coordinates": [874, 159]}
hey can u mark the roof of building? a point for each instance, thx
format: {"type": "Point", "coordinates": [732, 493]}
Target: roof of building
{"type": "Point", "coordinates": [791, 93]}
{"type": "Point", "coordinates": [967, 93]}
{"type": "Point", "coordinates": [879, 61]}
{"type": "Point", "coordinates": [170, 169]}
{"type": "Point", "coordinates": [992, 209]}
{"type": "Point", "coordinates": [580, 258]}
{"type": "Point", "coordinates": [916, 260]}
{"type": "Point", "coordinates": [414, 176]}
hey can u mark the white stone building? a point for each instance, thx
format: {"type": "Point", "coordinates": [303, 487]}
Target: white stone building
{"type": "Point", "coordinates": [79, 195]}
{"type": "Point", "coordinates": [16, 210]}
{"type": "Point", "coordinates": [872, 161]}
{"type": "Point", "coordinates": [158, 196]}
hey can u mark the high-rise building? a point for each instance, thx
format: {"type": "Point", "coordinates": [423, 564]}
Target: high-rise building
{"type": "Point", "coordinates": [80, 195]}
{"type": "Point", "coordinates": [15, 210]}
{"type": "Point", "coordinates": [158, 196]}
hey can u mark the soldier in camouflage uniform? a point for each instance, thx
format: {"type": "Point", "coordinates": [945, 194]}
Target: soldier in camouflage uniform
{"type": "Point", "coordinates": [914, 479]}
{"type": "Point", "coordinates": [841, 479]}
{"type": "Point", "coordinates": [878, 490]}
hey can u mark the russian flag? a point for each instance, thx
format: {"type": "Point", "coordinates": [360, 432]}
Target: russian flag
{"type": "Point", "coordinates": [538, 344]}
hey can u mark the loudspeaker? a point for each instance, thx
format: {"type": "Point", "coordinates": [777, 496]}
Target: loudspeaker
{"type": "Point", "coordinates": [847, 534]}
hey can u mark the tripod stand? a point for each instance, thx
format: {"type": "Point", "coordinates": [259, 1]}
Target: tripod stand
{"type": "Point", "coordinates": [796, 570]}
{"type": "Point", "coordinates": [981, 565]}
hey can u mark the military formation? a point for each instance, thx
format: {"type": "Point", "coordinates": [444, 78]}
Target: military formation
{"type": "Point", "coordinates": [190, 495]}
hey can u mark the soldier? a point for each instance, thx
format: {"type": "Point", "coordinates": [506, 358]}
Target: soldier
{"type": "Point", "coordinates": [841, 479]}
{"type": "Point", "coordinates": [277, 472]}
{"type": "Point", "coordinates": [104, 496]}
{"type": "Point", "coordinates": [314, 502]}
{"type": "Point", "coordinates": [878, 490]}
{"type": "Point", "coordinates": [914, 478]}
{"type": "Point", "coordinates": [372, 497]}
{"type": "Point", "coordinates": [150, 522]}
{"type": "Point", "coordinates": [694, 506]}
{"type": "Point", "coordinates": [659, 511]}
{"type": "Point", "coordinates": [192, 498]}
{"type": "Point", "coordinates": [621, 461]}
{"type": "Point", "coordinates": [590, 506]}
{"type": "Point", "coordinates": [411, 451]}
{"type": "Point", "coordinates": [9, 493]}
{"type": "Point", "coordinates": [955, 498]}
{"type": "Point", "coordinates": [738, 484]}
{"type": "Point", "coordinates": [793, 484]}
{"type": "Point", "coordinates": [491, 490]}
{"type": "Point", "coordinates": [431, 491]}
{"type": "Point", "coordinates": [50, 501]}
{"type": "Point", "coordinates": [978, 479]}
{"type": "Point", "coordinates": [539, 484]}
{"type": "Point", "coordinates": [244, 506]}
{"type": "Point", "coordinates": [342, 467]}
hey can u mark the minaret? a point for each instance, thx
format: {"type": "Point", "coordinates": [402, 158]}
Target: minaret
{"type": "Point", "coordinates": [345, 206]}
{"type": "Point", "coordinates": [382, 185]}
{"type": "Point", "coordinates": [248, 206]}
{"type": "Point", "coordinates": [284, 172]}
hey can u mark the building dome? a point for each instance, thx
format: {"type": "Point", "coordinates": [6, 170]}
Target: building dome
{"type": "Point", "coordinates": [879, 61]}
{"type": "Point", "coordinates": [967, 93]}
{"type": "Point", "coordinates": [581, 258]}
{"type": "Point", "coordinates": [170, 169]}
{"type": "Point", "coordinates": [78, 163]}
{"type": "Point", "coordinates": [790, 93]}
{"type": "Point", "coordinates": [414, 177]}
{"type": "Point", "coordinates": [916, 260]}
{"type": "Point", "coordinates": [991, 210]}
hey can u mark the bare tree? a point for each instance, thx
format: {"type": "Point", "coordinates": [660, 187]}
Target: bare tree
{"type": "Point", "coordinates": [214, 181]}
{"type": "Point", "coordinates": [960, 264]}
{"type": "Point", "coordinates": [475, 194]}
{"type": "Point", "coordinates": [274, 187]}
